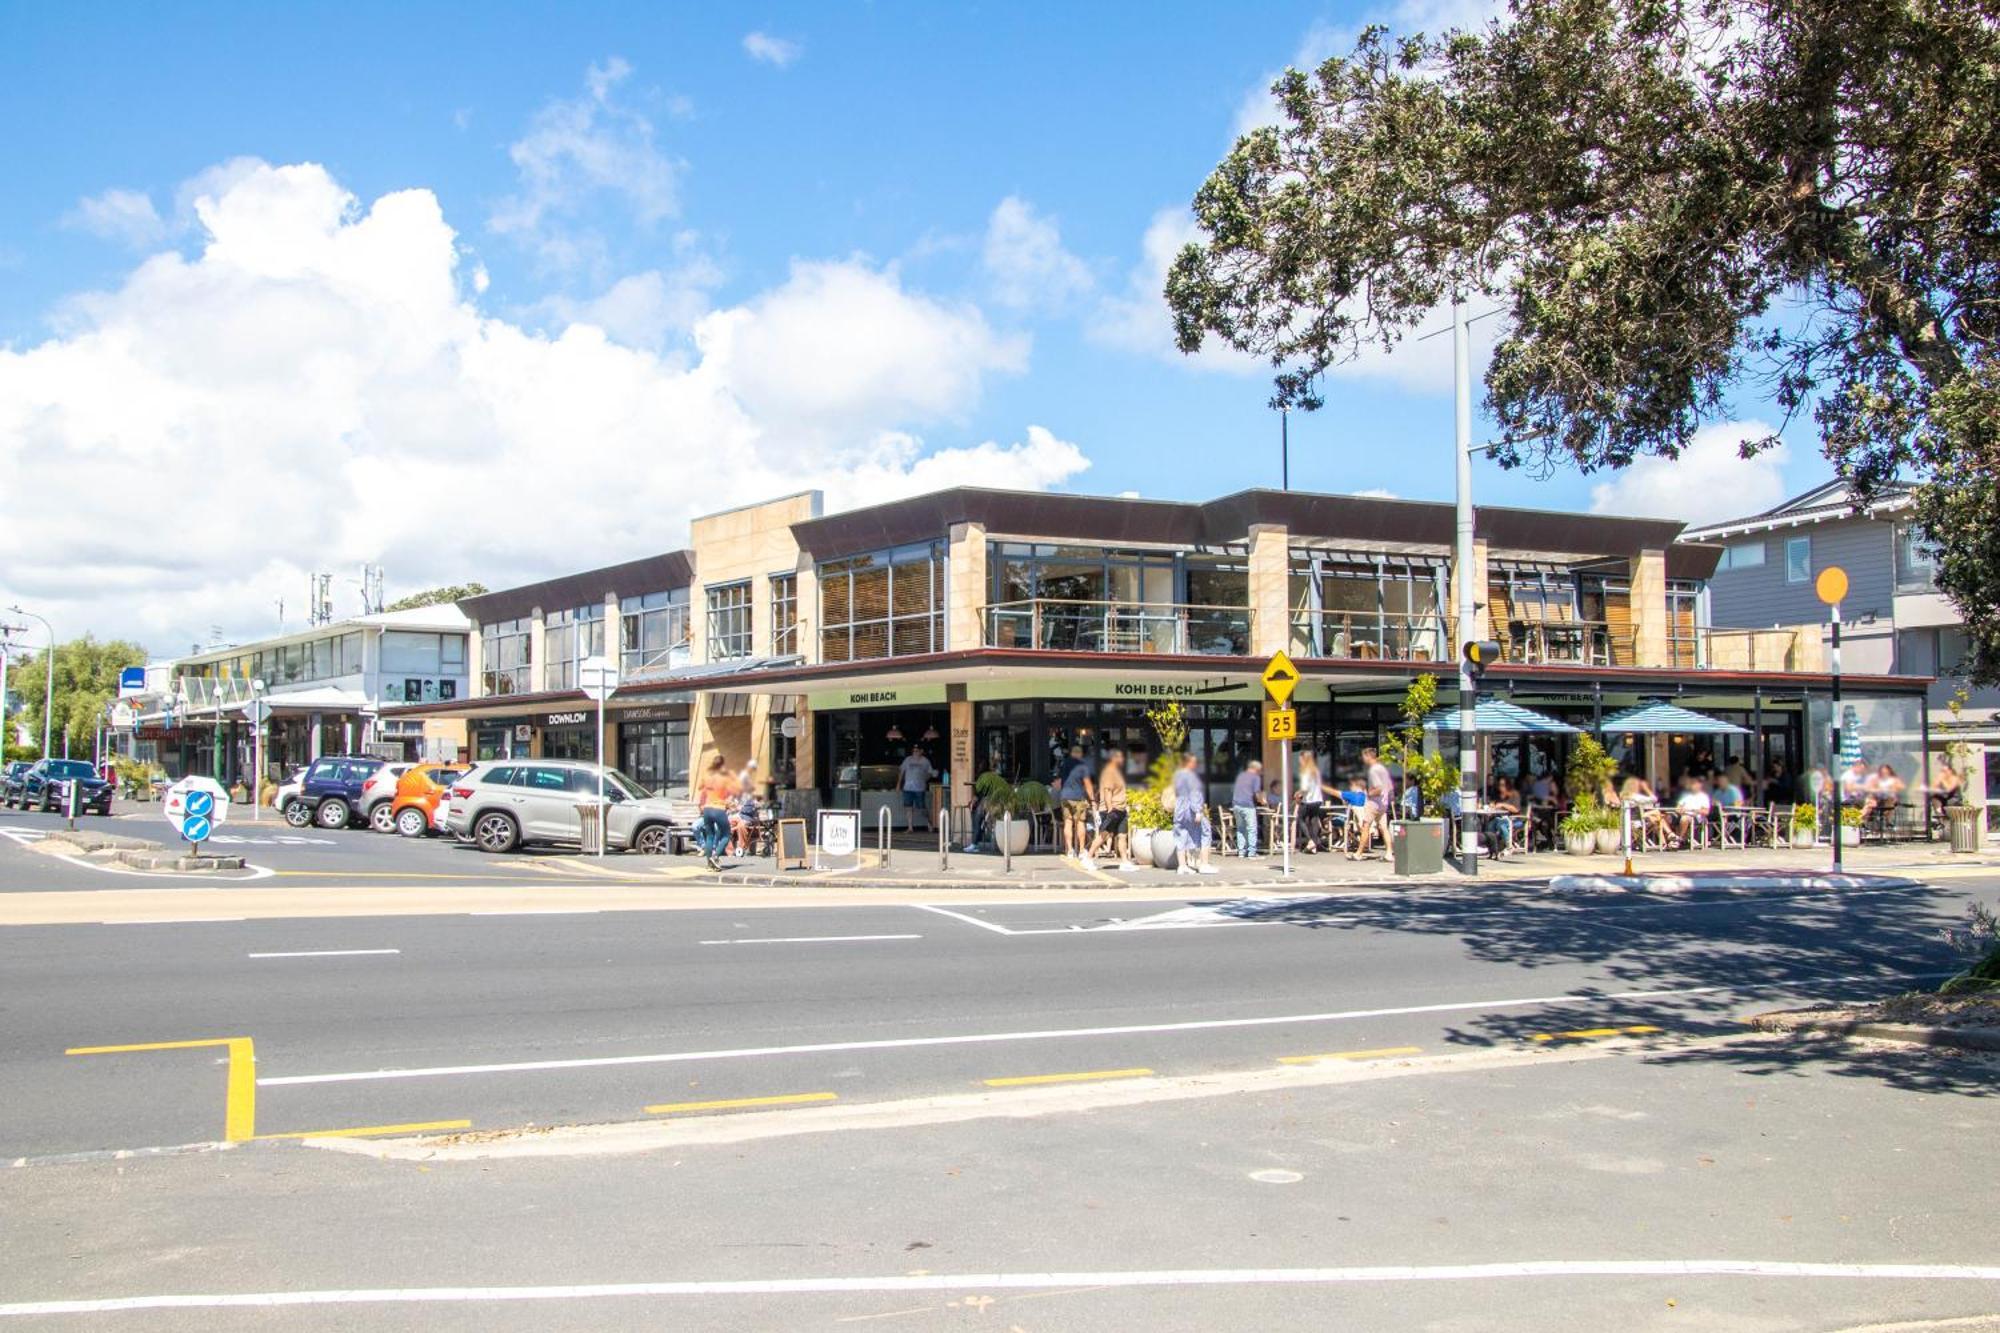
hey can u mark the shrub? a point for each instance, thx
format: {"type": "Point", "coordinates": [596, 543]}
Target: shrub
{"type": "Point", "coordinates": [1978, 940]}
{"type": "Point", "coordinates": [1147, 812]}
{"type": "Point", "coordinates": [1003, 798]}
{"type": "Point", "coordinates": [1589, 769]}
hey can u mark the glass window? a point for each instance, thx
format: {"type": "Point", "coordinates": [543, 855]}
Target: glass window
{"type": "Point", "coordinates": [1798, 559]}
{"type": "Point", "coordinates": [1742, 555]}
{"type": "Point", "coordinates": [882, 604]}
{"type": "Point", "coordinates": [544, 779]}
{"type": "Point", "coordinates": [784, 614]}
{"type": "Point", "coordinates": [451, 654]}
{"type": "Point", "coordinates": [1916, 562]}
{"type": "Point", "coordinates": [653, 631]}
{"type": "Point", "coordinates": [414, 654]}
{"type": "Point", "coordinates": [507, 654]}
{"type": "Point", "coordinates": [1954, 645]}
{"type": "Point", "coordinates": [729, 621]}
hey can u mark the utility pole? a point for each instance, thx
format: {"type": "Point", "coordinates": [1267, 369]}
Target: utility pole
{"type": "Point", "coordinates": [49, 688]}
{"type": "Point", "coordinates": [1285, 448]}
{"type": "Point", "coordinates": [1468, 683]}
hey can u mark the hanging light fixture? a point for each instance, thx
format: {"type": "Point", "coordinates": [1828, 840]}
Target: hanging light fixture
{"type": "Point", "coordinates": [931, 732]}
{"type": "Point", "coordinates": [895, 732]}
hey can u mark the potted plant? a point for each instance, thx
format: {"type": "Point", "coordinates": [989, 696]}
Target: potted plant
{"type": "Point", "coordinates": [1589, 769]}
{"type": "Point", "coordinates": [1850, 826]}
{"type": "Point", "coordinates": [1609, 834]}
{"type": "Point", "coordinates": [1417, 844]}
{"type": "Point", "coordinates": [1007, 806]}
{"type": "Point", "coordinates": [1579, 827]}
{"type": "Point", "coordinates": [1146, 815]}
{"type": "Point", "coordinates": [1805, 825]}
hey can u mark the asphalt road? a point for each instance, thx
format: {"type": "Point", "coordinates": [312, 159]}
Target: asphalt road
{"type": "Point", "coordinates": [510, 1020]}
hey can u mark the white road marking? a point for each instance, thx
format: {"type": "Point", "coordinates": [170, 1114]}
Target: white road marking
{"type": "Point", "coordinates": [323, 953]}
{"type": "Point", "coordinates": [813, 939]}
{"type": "Point", "coordinates": [974, 1282]}
{"type": "Point", "coordinates": [968, 920]}
{"type": "Point", "coordinates": [979, 1038]}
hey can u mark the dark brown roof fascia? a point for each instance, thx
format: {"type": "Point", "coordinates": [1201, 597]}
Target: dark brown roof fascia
{"type": "Point", "coordinates": [634, 578]}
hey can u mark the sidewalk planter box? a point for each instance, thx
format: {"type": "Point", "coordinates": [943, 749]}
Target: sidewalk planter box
{"type": "Point", "coordinates": [1417, 846]}
{"type": "Point", "coordinates": [1803, 836]}
{"type": "Point", "coordinates": [1580, 844]}
{"type": "Point", "coordinates": [1850, 835]}
{"type": "Point", "coordinates": [1607, 841]}
{"type": "Point", "coordinates": [1011, 834]}
{"type": "Point", "coordinates": [1166, 855]}
{"type": "Point", "coordinates": [1964, 821]}
{"type": "Point", "coordinates": [1142, 846]}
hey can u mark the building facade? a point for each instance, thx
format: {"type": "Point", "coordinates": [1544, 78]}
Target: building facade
{"type": "Point", "coordinates": [995, 629]}
{"type": "Point", "coordinates": [1894, 620]}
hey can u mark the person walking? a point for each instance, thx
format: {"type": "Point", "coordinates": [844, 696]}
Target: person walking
{"type": "Point", "coordinates": [715, 794]}
{"type": "Point", "coordinates": [914, 777]}
{"type": "Point", "coordinates": [1074, 790]}
{"type": "Point", "coordinates": [1244, 802]}
{"type": "Point", "coordinates": [1113, 836]}
{"type": "Point", "coordinates": [1375, 812]}
{"type": "Point", "coordinates": [1311, 800]}
{"type": "Point", "coordinates": [1191, 819]}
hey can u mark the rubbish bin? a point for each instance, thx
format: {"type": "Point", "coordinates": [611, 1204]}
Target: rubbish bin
{"type": "Point", "coordinates": [1964, 821]}
{"type": "Point", "coordinates": [590, 814]}
{"type": "Point", "coordinates": [1417, 846]}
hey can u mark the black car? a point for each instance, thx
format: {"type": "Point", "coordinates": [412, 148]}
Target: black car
{"type": "Point", "coordinates": [47, 783]}
{"type": "Point", "coordinates": [10, 781]}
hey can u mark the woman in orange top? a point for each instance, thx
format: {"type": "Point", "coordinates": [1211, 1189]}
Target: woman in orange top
{"type": "Point", "coordinates": [716, 791]}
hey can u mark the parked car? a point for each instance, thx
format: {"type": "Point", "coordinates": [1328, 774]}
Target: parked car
{"type": "Point", "coordinates": [47, 783]}
{"type": "Point", "coordinates": [10, 781]}
{"type": "Point", "coordinates": [285, 800]}
{"type": "Point", "coordinates": [331, 788]}
{"type": "Point", "coordinates": [378, 797]}
{"type": "Point", "coordinates": [512, 803]}
{"type": "Point", "coordinates": [422, 794]}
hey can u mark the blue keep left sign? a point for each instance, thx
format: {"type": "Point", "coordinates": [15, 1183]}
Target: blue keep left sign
{"type": "Point", "coordinates": [200, 803]}
{"type": "Point", "coordinates": [196, 828]}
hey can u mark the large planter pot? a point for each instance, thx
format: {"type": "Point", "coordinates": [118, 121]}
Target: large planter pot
{"type": "Point", "coordinates": [1850, 835]}
{"type": "Point", "coordinates": [1803, 836]}
{"type": "Point", "coordinates": [1416, 846]}
{"type": "Point", "coordinates": [1011, 835]}
{"type": "Point", "coordinates": [1166, 855]}
{"type": "Point", "coordinates": [1142, 846]}
{"type": "Point", "coordinates": [1580, 844]}
{"type": "Point", "coordinates": [1606, 840]}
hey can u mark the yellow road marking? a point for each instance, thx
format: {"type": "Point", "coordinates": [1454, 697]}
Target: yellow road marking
{"type": "Point", "coordinates": [681, 872]}
{"type": "Point", "coordinates": [1083, 1076]}
{"type": "Point", "coordinates": [1588, 1034]}
{"type": "Point", "coordinates": [392, 874]}
{"type": "Point", "coordinates": [1101, 876]}
{"type": "Point", "coordinates": [239, 1106]}
{"type": "Point", "coordinates": [789, 1099]}
{"type": "Point", "coordinates": [588, 866]}
{"type": "Point", "coordinates": [365, 1131]}
{"type": "Point", "coordinates": [1382, 1053]}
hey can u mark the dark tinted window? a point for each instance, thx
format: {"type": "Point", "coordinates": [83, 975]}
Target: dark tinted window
{"type": "Point", "coordinates": [70, 768]}
{"type": "Point", "coordinates": [546, 779]}
{"type": "Point", "coordinates": [502, 776]}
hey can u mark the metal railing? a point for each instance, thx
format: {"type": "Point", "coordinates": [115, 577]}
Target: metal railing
{"type": "Point", "coordinates": [1372, 635]}
{"type": "Point", "coordinates": [1120, 627]}
{"type": "Point", "coordinates": [1567, 643]}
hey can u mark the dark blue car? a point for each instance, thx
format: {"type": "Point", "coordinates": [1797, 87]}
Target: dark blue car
{"type": "Point", "coordinates": [47, 784]}
{"type": "Point", "coordinates": [331, 789]}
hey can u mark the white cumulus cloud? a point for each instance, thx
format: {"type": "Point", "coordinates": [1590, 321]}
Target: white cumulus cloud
{"type": "Point", "coordinates": [317, 384]}
{"type": "Point", "coordinates": [779, 51]}
{"type": "Point", "coordinates": [125, 216]}
{"type": "Point", "coordinates": [1709, 482]}
{"type": "Point", "coordinates": [1025, 261]}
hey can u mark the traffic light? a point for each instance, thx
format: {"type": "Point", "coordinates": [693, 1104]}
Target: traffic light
{"type": "Point", "coordinates": [1481, 654]}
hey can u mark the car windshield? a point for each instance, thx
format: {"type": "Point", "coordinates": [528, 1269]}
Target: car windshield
{"type": "Point", "coordinates": [624, 785]}
{"type": "Point", "coordinates": [71, 768]}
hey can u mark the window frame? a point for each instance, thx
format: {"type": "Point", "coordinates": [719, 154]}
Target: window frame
{"type": "Point", "coordinates": [1804, 574]}
{"type": "Point", "coordinates": [728, 611]}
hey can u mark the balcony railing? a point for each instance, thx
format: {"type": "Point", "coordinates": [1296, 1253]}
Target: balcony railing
{"type": "Point", "coordinates": [1795, 648]}
{"type": "Point", "coordinates": [1119, 627]}
{"type": "Point", "coordinates": [1568, 643]}
{"type": "Point", "coordinates": [1371, 636]}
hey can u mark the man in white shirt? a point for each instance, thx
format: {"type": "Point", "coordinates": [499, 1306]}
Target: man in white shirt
{"type": "Point", "coordinates": [1694, 805]}
{"type": "Point", "coordinates": [914, 777]}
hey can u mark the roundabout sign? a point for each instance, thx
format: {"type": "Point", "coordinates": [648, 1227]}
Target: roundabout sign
{"type": "Point", "coordinates": [195, 806]}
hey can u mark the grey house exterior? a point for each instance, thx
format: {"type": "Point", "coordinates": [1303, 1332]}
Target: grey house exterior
{"type": "Point", "coordinates": [1893, 618]}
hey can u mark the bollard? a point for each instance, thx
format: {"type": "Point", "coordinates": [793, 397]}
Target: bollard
{"type": "Point", "coordinates": [884, 826]}
{"type": "Point", "coordinates": [944, 839]}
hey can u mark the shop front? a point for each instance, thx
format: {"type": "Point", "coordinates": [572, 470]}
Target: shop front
{"type": "Point", "coordinates": [653, 747]}
{"type": "Point", "coordinates": [863, 737]}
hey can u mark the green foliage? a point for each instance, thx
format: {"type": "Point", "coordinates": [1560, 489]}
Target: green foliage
{"type": "Point", "coordinates": [437, 596]}
{"type": "Point", "coordinates": [1804, 815]}
{"type": "Point", "coordinates": [1589, 769]}
{"type": "Point", "coordinates": [1674, 200]}
{"type": "Point", "coordinates": [1850, 816]}
{"type": "Point", "coordinates": [1431, 774]}
{"type": "Point", "coordinates": [1977, 941]}
{"type": "Point", "coordinates": [86, 683]}
{"type": "Point", "coordinates": [1003, 798]}
{"type": "Point", "coordinates": [1147, 811]}
{"type": "Point", "coordinates": [1169, 722]}
{"type": "Point", "coordinates": [1582, 817]}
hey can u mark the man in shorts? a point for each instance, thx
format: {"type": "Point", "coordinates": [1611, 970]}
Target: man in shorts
{"type": "Point", "coordinates": [1375, 811]}
{"type": "Point", "coordinates": [914, 778]}
{"type": "Point", "coordinates": [1073, 789]}
{"type": "Point", "coordinates": [1112, 835]}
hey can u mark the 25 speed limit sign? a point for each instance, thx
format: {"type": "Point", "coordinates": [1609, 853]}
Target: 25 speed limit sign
{"type": "Point", "coordinates": [1281, 724]}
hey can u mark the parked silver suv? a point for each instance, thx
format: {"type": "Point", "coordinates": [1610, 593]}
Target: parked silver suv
{"type": "Point", "coordinates": [510, 803]}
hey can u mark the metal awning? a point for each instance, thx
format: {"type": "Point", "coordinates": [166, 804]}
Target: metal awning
{"type": "Point", "coordinates": [1497, 715]}
{"type": "Point", "coordinates": [1661, 716]}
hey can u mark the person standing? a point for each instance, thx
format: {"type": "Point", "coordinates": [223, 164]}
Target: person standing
{"type": "Point", "coordinates": [1191, 818]}
{"type": "Point", "coordinates": [914, 778]}
{"type": "Point", "coordinates": [1244, 801]}
{"type": "Point", "coordinates": [1073, 789]}
{"type": "Point", "coordinates": [1375, 811]}
{"type": "Point", "coordinates": [1113, 837]}
{"type": "Point", "coordinates": [715, 794]}
{"type": "Point", "coordinates": [1311, 800]}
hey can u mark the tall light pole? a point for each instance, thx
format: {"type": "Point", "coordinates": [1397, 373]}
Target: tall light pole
{"type": "Point", "coordinates": [49, 688]}
{"type": "Point", "coordinates": [1468, 683]}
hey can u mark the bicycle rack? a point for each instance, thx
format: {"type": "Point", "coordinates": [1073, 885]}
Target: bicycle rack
{"type": "Point", "coordinates": [883, 827]}
{"type": "Point", "coordinates": [944, 839]}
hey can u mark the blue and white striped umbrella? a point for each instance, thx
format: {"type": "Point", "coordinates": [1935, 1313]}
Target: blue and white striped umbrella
{"type": "Point", "coordinates": [1850, 736]}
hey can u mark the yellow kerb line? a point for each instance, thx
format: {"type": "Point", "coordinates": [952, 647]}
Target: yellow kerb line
{"type": "Point", "coordinates": [239, 1107]}
{"type": "Point", "coordinates": [1382, 1053]}
{"type": "Point", "coordinates": [1082, 1077]}
{"type": "Point", "coordinates": [789, 1099]}
{"type": "Point", "coordinates": [1587, 1034]}
{"type": "Point", "coordinates": [367, 1131]}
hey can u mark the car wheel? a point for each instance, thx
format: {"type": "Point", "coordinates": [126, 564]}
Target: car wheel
{"type": "Point", "coordinates": [411, 822]}
{"type": "Point", "coordinates": [495, 833]}
{"type": "Point", "coordinates": [382, 818]}
{"type": "Point", "coordinates": [48, 804]}
{"type": "Point", "coordinates": [332, 813]}
{"type": "Point", "coordinates": [298, 814]}
{"type": "Point", "coordinates": [653, 840]}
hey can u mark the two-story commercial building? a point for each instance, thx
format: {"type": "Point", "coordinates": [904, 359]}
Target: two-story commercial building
{"type": "Point", "coordinates": [996, 628]}
{"type": "Point", "coordinates": [325, 690]}
{"type": "Point", "coordinates": [1893, 619]}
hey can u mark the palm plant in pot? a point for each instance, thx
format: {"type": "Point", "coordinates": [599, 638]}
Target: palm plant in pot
{"type": "Point", "coordinates": [1007, 807]}
{"type": "Point", "coordinates": [1578, 828]}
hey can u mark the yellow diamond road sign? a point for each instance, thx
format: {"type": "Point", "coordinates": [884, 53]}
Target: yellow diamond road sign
{"type": "Point", "coordinates": [1281, 678]}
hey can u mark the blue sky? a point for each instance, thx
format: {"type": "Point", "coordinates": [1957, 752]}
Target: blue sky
{"type": "Point", "coordinates": [717, 189]}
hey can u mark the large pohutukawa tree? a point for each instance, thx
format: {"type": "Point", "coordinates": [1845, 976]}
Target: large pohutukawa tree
{"type": "Point", "coordinates": [1676, 201]}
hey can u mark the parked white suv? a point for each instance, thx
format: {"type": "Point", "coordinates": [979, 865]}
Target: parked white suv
{"type": "Point", "coordinates": [378, 797]}
{"type": "Point", "coordinates": [511, 803]}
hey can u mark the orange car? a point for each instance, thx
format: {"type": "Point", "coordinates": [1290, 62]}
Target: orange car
{"type": "Point", "coordinates": [420, 798]}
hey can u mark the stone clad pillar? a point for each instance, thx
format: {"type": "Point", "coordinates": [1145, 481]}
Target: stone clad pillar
{"type": "Point", "coordinates": [538, 654]}
{"type": "Point", "coordinates": [1649, 609]}
{"type": "Point", "coordinates": [965, 590]}
{"type": "Point", "coordinates": [1270, 588]}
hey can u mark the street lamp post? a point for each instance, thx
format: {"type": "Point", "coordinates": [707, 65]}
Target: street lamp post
{"type": "Point", "coordinates": [49, 687]}
{"type": "Point", "coordinates": [258, 708]}
{"type": "Point", "coordinates": [1468, 683]}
